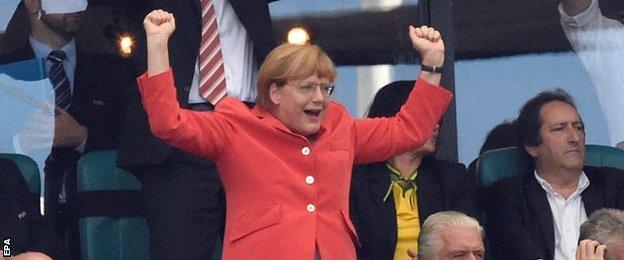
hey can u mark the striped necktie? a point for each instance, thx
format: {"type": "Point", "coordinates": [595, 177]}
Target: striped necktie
{"type": "Point", "coordinates": [211, 71]}
{"type": "Point", "coordinates": [59, 79]}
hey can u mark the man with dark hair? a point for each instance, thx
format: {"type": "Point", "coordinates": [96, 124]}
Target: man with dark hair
{"type": "Point", "coordinates": [602, 236]}
{"type": "Point", "coordinates": [536, 213]}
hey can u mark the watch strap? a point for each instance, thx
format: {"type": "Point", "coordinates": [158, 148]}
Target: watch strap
{"type": "Point", "coordinates": [429, 68]}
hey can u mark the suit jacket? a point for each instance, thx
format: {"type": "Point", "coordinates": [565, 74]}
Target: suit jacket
{"type": "Point", "coordinates": [519, 220]}
{"type": "Point", "coordinates": [100, 82]}
{"type": "Point", "coordinates": [441, 185]}
{"type": "Point", "coordinates": [139, 147]}
{"type": "Point", "coordinates": [20, 219]}
{"type": "Point", "coordinates": [287, 196]}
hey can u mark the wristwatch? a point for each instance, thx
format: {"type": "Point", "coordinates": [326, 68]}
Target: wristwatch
{"type": "Point", "coordinates": [429, 68]}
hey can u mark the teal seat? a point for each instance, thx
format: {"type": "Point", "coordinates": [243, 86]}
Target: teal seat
{"type": "Point", "coordinates": [505, 162]}
{"type": "Point", "coordinates": [108, 234]}
{"type": "Point", "coordinates": [29, 169]}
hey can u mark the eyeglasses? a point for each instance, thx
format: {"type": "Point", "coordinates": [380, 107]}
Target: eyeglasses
{"type": "Point", "coordinates": [309, 89]}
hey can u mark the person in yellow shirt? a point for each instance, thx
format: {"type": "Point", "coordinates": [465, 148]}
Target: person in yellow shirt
{"type": "Point", "coordinates": [390, 200]}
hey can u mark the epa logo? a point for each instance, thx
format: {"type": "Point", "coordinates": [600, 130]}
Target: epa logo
{"type": "Point", "coordinates": [6, 249]}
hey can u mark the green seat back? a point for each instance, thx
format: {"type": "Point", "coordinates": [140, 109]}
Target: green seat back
{"type": "Point", "coordinates": [29, 169]}
{"type": "Point", "coordinates": [114, 238]}
{"type": "Point", "coordinates": [102, 237]}
{"type": "Point", "coordinates": [501, 163]}
{"type": "Point", "coordinates": [604, 156]}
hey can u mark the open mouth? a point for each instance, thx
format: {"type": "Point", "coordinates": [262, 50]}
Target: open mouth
{"type": "Point", "coordinates": [312, 112]}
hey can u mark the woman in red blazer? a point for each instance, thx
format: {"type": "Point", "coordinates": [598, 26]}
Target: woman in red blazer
{"type": "Point", "coordinates": [286, 163]}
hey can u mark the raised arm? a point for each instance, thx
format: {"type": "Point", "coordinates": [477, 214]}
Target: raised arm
{"type": "Point", "coordinates": [379, 138]}
{"type": "Point", "coordinates": [428, 42]}
{"type": "Point", "coordinates": [194, 132]}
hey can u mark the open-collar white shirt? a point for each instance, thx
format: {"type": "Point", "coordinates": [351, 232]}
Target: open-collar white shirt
{"type": "Point", "coordinates": [568, 215]}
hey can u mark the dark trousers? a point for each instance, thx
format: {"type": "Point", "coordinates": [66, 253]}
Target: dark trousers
{"type": "Point", "coordinates": [184, 207]}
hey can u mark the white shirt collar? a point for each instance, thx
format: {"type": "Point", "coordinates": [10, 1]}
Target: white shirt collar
{"type": "Point", "coordinates": [582, 184]}
{"type": "Point", "coordinates": [42, 50]}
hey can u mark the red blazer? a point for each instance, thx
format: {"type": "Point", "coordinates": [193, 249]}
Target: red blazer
{"type": "Point", "coordinates": [286, 196]}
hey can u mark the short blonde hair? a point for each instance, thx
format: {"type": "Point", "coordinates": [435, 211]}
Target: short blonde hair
{"type": "Point", "coordinates": [292, 62]}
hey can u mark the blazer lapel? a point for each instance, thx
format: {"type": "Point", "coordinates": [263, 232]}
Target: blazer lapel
{"type": "Point", "coordinates": [592, 196]}
{"type": "Point", "coordinates": [429, 195]}
{"type": "Point", "coordinates": [537, 202]}
{"type": "Point", "coordinates": [379, 182]}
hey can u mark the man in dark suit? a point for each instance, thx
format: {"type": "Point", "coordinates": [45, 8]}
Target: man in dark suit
{"type": "Point", "coordinates": [537, 213]}
{"type": "Point", "coordinates": [89, 121]}
{"type": "Point", "coordinates": [31, 236]}
{"type": "Point", "coordinates": [438, 185]}
{"type": "Point", "coordinates": [185, 205]}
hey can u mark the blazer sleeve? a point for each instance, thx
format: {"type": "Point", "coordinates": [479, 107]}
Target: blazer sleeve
{"type": "Point", "coordinates": [376, 139]}
{"type": "Point", "coordinates": [198, 133]}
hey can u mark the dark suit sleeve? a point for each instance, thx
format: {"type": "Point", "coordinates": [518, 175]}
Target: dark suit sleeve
{"type": "Point", "coordinates": [104, 80]}
{"type": "Point", "coordinates": [507, 234]}
{"type": "Point", "coordinates": [465, 193]}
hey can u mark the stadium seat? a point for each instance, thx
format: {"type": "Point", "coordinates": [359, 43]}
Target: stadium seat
{"type": "Point", "coordinates": [501, 163]}
{"type": "Point", "coordinates": [29, 169]}
{"type": "Point", "coordinates": [111, 222]}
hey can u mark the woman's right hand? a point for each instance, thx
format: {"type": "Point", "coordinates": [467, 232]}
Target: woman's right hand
{"type": "Point", "coordinates": [159, 25]}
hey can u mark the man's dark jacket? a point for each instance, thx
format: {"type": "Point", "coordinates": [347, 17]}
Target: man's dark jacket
{"type": "Point", "coordinates": [519, 221]}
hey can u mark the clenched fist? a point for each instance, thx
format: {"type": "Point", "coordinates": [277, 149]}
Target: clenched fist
{"type": "Point", "coordinates": [159, 25]}
{"type": "Point", "coordinates": [428, 42]}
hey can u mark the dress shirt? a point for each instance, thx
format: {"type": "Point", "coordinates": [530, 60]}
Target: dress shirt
{"type": "Point", "coordinates": [286, 196]}
{"type": "Point", "coordinates": [568, 215]}
{"type": "Point", "coordinates": [599, 43]}
{"type": "Point", "coordinates": [238, 60]}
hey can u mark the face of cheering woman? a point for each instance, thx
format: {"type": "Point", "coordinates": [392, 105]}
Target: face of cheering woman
{"type": "Point", "coordinates": [295, 85]}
